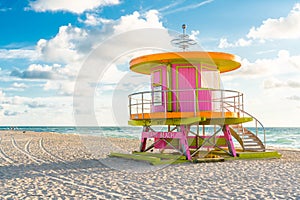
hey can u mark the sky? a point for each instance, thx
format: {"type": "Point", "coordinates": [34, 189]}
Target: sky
{"type": "Point", "coordinates": [47, 47]}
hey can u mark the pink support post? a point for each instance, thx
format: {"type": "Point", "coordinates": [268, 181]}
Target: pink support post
{"type": "Point", "coordinates": [184, 142]}
{"type": "Point", "coordinates": [144, 140]}
{"type": "Point", "coordinates": [228, 138]}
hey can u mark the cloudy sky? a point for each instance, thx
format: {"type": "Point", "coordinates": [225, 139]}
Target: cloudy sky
{"type": "Point", "coordinates": [45, 44]}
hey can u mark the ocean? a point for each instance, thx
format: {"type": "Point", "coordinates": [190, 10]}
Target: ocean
{"type": "Point", "coordinates": [277, 137]}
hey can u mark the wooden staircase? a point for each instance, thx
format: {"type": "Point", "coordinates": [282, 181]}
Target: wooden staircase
{"type": "Point", "coordinates": [248, 140]}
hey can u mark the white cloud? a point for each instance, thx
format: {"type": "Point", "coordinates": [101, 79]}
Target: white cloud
{"type": "Point", "coordinates": [16, 86]}
{"type": "Point", "coordinates": [272, 83]}
{"type": "Point", "coordinates": [137, 21]}
{"type": "Point", "coordinates": [72, 45]}
{"type": "Point", "coordinates": [2, 95]}
{"type": "Point", "coordinates": [266, 52]}
{"type": "Point", "coordinates": [294, 97]}
{"type": "Point", "coordinates": [18, 54]}
{"type": "Point", "coordinates": [275, 83]}
{"type": "Point", "coordinates": [75, 6]}
{"type": "Point", "coordinates": [171, 6]}
{"type": "Point", "coordinates": [242, 42]}
{"type": "Point", "coordinates": [223, 43]}
{"type": "Point", "coordinates": [26, 111]}
{"type": "Point", "coordinates": [19, 85]}
{"type": "Point", "coordinates": [9, 113]}
{"type": "Point", "coordinates": [194, 35]}
{"type": "Point", "coordinates": [281, 28]}
{"type": "Point", "coordinates": [70, 48]}
{"type": "Point", "coordinates": [185, 7]}
{"type": "Point", "coordinates": [38, 71]}
{"type": "Point", "coordinates": [36, 104]}
{"type": "Point", "coordinates": [283, 64]}
{"type": "Point", "coordinates": [91, 19]}
{"type": "Point", "coordinates": [65, 88]}
{"type": "Point", "coordinates": [112, 75]}
{"type": "Point", "coordinates": [65, 46]}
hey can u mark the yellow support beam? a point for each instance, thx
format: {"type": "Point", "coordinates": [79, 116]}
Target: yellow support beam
{"type": "Point", "coordinates": [174, 121]}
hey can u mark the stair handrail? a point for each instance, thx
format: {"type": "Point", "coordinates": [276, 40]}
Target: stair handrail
{"type": "Point", "coordinates": [256, 121]}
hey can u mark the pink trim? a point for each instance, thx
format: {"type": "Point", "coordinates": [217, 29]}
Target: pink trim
{"type": "Point", "coordinates": [206, 136]}
{"type": "Point", "coordinates": [184, 142]}
{"type": "Point", "coordinates": [162, 135]}
{"type": "Point", "coordinates": [228, 138]}
{"type": "Point", "coordinates": [156, 79]}
{"type": "Point", "coordinates": [184, 77]}
{"type": "Point", "coordinates": [144, 141]}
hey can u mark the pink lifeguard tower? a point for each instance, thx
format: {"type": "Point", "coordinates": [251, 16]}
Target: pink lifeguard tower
{"type": "Point", "coordinates": [188, 106]}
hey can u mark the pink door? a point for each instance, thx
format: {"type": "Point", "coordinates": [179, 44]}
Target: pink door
{"type": "Point", "coordinates": [188, 95]}
{"type": "Point", "coordinates": [184, 97]}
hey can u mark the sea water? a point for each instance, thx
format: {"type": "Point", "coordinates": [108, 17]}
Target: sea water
{"type": "Point", "coordinates": [286, 137]}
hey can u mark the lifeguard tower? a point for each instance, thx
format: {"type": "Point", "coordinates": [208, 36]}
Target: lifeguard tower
{"type": "Point", "coordinates": [188, 106]}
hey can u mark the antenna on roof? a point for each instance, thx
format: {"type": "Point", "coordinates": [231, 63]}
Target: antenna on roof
{"type": "Point", "coordinates": [183, 41]}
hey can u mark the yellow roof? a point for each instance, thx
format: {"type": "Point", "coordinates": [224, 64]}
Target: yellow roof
{"type": "Point", "coordinates": [224, 61]}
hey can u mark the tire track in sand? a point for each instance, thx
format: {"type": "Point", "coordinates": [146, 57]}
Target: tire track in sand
{"type": "Point", "coordinates": [63, 180]}
{"type": "Point", "coordinates": [4, 156]}
{"type": "Point", "coordinates": [26, 151]}
{"type": "Point", "coordinates": [41, 145]}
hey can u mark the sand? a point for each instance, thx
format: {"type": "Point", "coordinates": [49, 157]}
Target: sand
{"type": "Point", "coordinates": [59, 166]}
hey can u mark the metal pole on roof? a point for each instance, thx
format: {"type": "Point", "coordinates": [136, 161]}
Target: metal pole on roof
{"type": "Point", "coordinates": [183, 41]}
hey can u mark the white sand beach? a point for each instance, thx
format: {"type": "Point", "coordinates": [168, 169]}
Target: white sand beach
{"type": "Point", "coordinates": [61, 166]}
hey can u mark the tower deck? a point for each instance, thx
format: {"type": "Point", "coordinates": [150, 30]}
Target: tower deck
{"type": "Point", "coordinates": [226, 107]}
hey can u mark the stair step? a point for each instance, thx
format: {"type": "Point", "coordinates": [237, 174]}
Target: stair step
{"type": "Point", "coordinates": [241, 133]}
{"type": "Point", "coordinates": [255, 150]}
{"type": "Point", "coordinates": [251, 145]}
{"type": "Point", "coordinates": [248, 136]}
{"type": "Point", "coordinates": [249, 142]}
{"type": "Point", "coordinates": [246, 133]}
{"type": "Point", "coordinates": [248, 139]}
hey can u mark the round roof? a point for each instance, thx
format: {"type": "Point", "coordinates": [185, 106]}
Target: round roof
{"type": "Point", "coordinates": [224, 61]}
